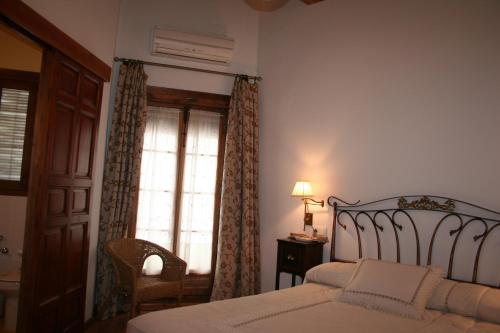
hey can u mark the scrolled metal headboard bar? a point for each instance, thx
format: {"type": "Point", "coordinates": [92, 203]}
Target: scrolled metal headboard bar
{"type": "Point", "coordinates": [452, 232]}
{"type": "Point", "coordinates": [478, 253]}
{"type": "Point", "coordinates": [395, 226]}
{"type": "Point", "coordinates": [415, 232]}
{"type": "Point", "coordinates": [333, 199]}
{"type": "Point", "coordinates": [475, 238]}
{"type": "Point", "coordinates": [376, 228]}
{"type": "Point", "coordinates": [357, 227]}
{"type": "Point", "coordinates": [423, 204]}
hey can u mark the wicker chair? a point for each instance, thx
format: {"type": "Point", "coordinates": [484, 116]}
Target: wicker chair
{"type": "Point", "coordinates": [128, 259]}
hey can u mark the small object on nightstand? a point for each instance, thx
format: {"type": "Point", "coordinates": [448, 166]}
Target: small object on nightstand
{"type": "Point", "coordinates": [297, 257]}
{"type": "Point", "coordinates": [306, 238]}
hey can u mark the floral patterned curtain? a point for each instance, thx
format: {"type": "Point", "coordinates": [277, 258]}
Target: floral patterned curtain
{"type": "Point", "coordinates": [121, 177]}
{"type": "Point", "coordinates": [238, 257]}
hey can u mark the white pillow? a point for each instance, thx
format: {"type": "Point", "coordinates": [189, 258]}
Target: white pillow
{"type": "Point", "coordinates": [391, 287]}
{"type": "Point", "coordinates": [335, 274]}
{"type": "Point", "coordinates": [466, 299]}
{"type": "Point", "coordinates": [489, 306]}
{"type": "Point", "coordinates": [439, 298]}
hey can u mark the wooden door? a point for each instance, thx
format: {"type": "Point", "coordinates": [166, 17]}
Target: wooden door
{"type": "Point", "coordinates": [54, 283]}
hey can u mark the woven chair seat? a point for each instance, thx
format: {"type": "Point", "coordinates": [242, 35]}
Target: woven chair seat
{"type": "Point", "coordinates": [128, 256]}
{"type": "Point", "coordinates": [153, 287]}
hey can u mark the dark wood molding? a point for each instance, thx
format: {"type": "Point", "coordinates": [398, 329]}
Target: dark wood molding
{"type": "Point", "coordinates": [176, 98]}
{"type": "Point", "coordinates": [29, 20]}
{"type": "Point", "coordinates": [311, 2]}
{"type": "Point", "coordinates": [19, 75]}
{"type": "Point", "coordinates": [181, 158]}
{"type": "Point", "coordinates": [36, 194]}
{"type": "Point", "coordinates": [10, 78]}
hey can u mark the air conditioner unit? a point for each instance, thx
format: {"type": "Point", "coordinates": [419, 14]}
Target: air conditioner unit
{"type": "Point", "coordinates": [193, 47]}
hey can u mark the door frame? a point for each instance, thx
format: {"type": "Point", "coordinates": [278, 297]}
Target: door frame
{"type": "Point", "coordinates": [27, 21]}
{"type": "Point", "coordinates": [40, 29]}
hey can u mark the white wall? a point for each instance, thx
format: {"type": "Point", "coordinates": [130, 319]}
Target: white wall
{"type": "Point", "coordinates": [369, 99]}
{"type": "Point", "coordinates": [233, 19]}
{"type": "Point", "coordinates": [93, 24]}
{"type": "Point", "coordinates": [13, 215]}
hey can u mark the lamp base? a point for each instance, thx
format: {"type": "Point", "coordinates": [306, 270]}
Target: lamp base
{"type": "Point", "coordinates": [308, 219]}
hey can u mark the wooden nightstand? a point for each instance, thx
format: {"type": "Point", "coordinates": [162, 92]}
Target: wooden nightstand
{"type": "Point", "coordinates": [296, 257]}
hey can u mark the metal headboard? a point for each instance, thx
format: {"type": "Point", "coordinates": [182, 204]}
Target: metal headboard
{"type": "Point", "coordinates": [392, 209]}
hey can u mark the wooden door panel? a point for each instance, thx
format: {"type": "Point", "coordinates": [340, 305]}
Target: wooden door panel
{"type": "Point", "coordinates": [89, 95]}
{"type": "Point", "coordinates": [47, 317]}
{"type": "Point", "coordinates": [81, 203]}
{"type": "Point", "coordinates": [67, 79]}
{"type": "Point", "coordinates": [76, 255]}
{"type": "Point", "coordinates": [85, 145]}
{"type": "Point", "coordinates": [50, 276]}
{"type": "Point", "coordinates": [58, 207]}
{"type": "Point", "coordinates": [61, 139]}
{"type": "Point", "coordinates": [59, 181]}
{"type": "Point", "coordinates": [73, 311]}
{"type": "Point", "coordinates": [62, 237]}
{"type": "Point", "coordinates": [56, 200]}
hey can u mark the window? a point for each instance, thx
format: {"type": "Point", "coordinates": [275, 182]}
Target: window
{"type": "Point", "coordinates": [17, 104]}
{"type": "Point", "coordinates": [181, 176]}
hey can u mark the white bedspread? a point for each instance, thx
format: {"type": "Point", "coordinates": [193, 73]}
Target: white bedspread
{"type": "Point", "coordinates": [310, 307]}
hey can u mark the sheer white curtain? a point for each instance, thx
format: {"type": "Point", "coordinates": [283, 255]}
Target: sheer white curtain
{"type": "Point", "coordinates": [155, 215]}
{"type": "Point", "coordinates": [198, 191]}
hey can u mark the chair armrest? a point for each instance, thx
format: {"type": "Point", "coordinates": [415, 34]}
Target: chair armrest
{"type": "Point", "coordinates": [126, 274]}
{"type": "Point", "coordinates": [174, 269]}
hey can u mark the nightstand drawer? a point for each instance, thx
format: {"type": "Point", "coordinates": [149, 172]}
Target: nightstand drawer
{"type": "Point", "coordinates": [296, 257]}
{"type": "Point", "coordinates": [291, 258]}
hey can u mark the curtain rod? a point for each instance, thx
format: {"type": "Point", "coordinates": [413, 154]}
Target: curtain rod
{"type": "Point", "coordinates": [256, 78]}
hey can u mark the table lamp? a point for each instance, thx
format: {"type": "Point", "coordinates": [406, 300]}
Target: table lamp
{"type": "Point", "coordinates": [303, 190]}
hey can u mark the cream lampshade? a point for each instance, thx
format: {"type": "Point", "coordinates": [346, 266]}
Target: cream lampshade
{"type": "Point", "coordinates": [302, 189]}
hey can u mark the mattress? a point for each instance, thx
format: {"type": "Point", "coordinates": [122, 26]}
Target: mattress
{"type": "Point", "coordinates": [309, 307]}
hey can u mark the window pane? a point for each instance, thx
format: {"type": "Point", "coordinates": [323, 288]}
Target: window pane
{"type": "Point", "coordinates": [155, 215]}
{"type": "Point", "coordinates": [198, 191]}
{"type": "Point", "coordinates": [13, 113]}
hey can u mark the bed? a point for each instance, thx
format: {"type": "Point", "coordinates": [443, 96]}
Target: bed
{"type": "Point", "coordinates": [400, 289]}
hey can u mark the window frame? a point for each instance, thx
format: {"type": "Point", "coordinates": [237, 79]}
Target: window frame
{"type": "Point", "coordinates": [198, 287]}
{"type": "Point", "coordinates": [22, 80]}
